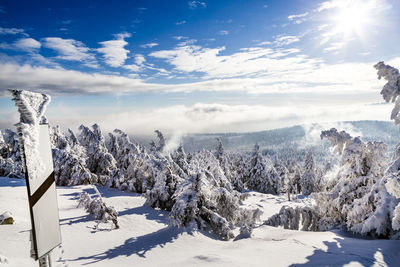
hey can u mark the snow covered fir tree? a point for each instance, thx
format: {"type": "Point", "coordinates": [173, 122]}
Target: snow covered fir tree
{"type": "Point", "coordinates": [363, 194]}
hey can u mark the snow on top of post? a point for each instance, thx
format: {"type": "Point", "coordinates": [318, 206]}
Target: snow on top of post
{"type": "Point", "coordinates": [31, 105]}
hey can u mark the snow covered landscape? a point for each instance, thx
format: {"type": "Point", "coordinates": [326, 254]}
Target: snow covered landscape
{"type": "Point", "coordinates": [145, 239]}
{"type": "Point", "coordinates": [200, 133]}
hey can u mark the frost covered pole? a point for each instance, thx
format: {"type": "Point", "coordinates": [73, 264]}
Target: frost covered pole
{"type": "Point", "coordinates": [34, 140]}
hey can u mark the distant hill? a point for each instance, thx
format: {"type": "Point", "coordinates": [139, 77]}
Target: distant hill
{"type": "Point", "coordinates": [296, 140]}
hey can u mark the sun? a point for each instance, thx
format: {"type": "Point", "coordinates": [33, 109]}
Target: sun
{"type": "Point", "coordinates": [353, 18]}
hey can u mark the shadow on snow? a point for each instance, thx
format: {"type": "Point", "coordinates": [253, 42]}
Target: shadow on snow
{"type": "Point", "coordinates": [345, 250]}
{"type": "Point", "coordinates": [137, 245]}
{"type": "Point", "coordinates": [11, 182]}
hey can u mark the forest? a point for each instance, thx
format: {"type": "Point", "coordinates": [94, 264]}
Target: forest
{"type": "Point", "coordinates": [359, 191]}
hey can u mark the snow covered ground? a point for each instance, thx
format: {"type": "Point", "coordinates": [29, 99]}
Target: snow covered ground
{"type": "Point", "coordinates": [144, 238]}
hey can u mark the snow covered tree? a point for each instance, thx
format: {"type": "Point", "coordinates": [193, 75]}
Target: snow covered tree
{"type": "Point", "coordinates": [99, 160]}
{"type": "Point", "coordinates": [391, 90]}
{"type": "Point", "coordinates": [298, 218]}
{"type": "Point", "coordinates": [390, 93]}
{"type": "Point", "coordinates": [240, 166]}
{"type": "Point", "coordinates": [205, 201]}
{"type": "Point", "coordinates": [161, 142]}
{"type": "Point", "coordinates": [167, 176]}
{"type": "Point", "coordinates": [10, 159]}
{"type": "Point", "coordinates": [294, 177]}
{"type": "Point", "coordinates": [226, 166]}
{"type": "Point", "coordinates": [98, 208]}
{"type": "Point", "coordinates": [69, 159]}
{"type": "Point", "coordinates": [307, 180]}
{"type": "Point", "coordinates": [179, 157]}
{"type": "Point", "coordinates": [262, 175]}
{"type": "Point", "coordinates": [362, 166]}
{"type": "Point", "coordinates": [134, 165]}
{"type": "Point", "coordinates": [365, 198]}
{"type": "Point", "coordinates": [282, 172]}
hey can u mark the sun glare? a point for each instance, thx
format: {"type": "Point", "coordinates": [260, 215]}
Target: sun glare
{"type": "Point", "coordinates": [353, 18]}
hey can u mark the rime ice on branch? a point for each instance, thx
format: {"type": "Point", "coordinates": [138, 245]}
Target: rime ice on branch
{"type": "Point", "coordinates": [31, 107]}
{"type": "Point", "coordinates": [391, 90]}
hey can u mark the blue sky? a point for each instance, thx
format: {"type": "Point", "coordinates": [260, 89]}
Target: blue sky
{"type": "Point", "coordinates": [198, 66]}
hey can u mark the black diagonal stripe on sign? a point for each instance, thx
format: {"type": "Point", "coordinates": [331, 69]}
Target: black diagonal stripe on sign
{"type": "Point", "coordinates": [41, 190]}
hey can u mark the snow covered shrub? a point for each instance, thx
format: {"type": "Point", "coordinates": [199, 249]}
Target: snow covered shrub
{"type": "Point", "coordinates": [365, 197]}
{"type": "Point", "coordinates": [390, 93]}
{"type": "Point", "coordinates": [98, 208]}
{"type": "Point", "coordinates": [262, 175]}
{"type": "Point", "coordinates": [161, 143]}
{"type": "Point", "coordinates": [167, 176]}
{"type": "Point", "coordinates": [179, 157]}
{"type": "Point", "coordinates": [199, 204]}
{"type": "Point", "coordinates": [371, 214]}
{"type": "Point", "coordinates": [206, 200]}
{"type": "Point", "coordinates": [362, 166]}
{"type": "Point", "coordinates": [391, 90]}
{"type": "Point", "coordinates": [10, 159]}
{"type": "Point", "coordinates": [69, 159]}
{"type": "Point", "coordinates": [99, 160]}
{"type": "Point", "coordinates": [358, 200]}
{"type": "Point", "coordinates": [135, 166]}
{"type": "Point", "coordinates": [307, 180]}
{"type": "Point", "coordinates": [299, 218]}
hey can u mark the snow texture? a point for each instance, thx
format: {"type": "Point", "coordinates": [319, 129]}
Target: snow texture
{"type": "Point", "coordinates": [98, 208]}
{"type": "Point", "coordinates": [10, 157]}
{"type": "Point", "coordinates": [31, 107]}
{"type": "Point", "coordinates": [262, 176]}
{"type": "Point", "coordinates": [391, 90]}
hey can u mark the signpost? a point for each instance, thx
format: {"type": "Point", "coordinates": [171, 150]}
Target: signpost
{"type": "Point", "coordinates": [38, 164]}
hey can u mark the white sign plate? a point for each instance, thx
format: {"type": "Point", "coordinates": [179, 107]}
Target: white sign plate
{"type": "Point", "coordinates": [43, 200]}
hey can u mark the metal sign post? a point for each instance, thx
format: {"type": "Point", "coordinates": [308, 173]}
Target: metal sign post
{"type": "Point", "coordinates": [39, 175]}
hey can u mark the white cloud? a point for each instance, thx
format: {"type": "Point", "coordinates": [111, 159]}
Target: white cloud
{"type": "Point", "coordinates": [291, 75]}
{"type": "Point", "coordinates": [187, 42]}
{"type": "Point", "coordinates": [196, 4]}
{"type": "Point", "coordinates": [296, 16]}
{"type": "Point", "coordinates": [132, 67]}
{"type": "Point", "coordinates": [331, 4]}
{"type": "Point", "coordinates": [12, 31]}
{"type": "Point", "coordinates": [180, 22]}
{"type": "Point", "coordinates": [113, 51]}
{"type": "Point", "coordinates": [265, 43]}
{"type": "Point", "coordinates": [249, 61]}
{"type": "Point", "coordinates": [72, 50]}
{"type": "Point", "coordinates": [217, 118]}
{"type": "Point", "coordinates": [149, 45]}
{"type": "Point", "coordinates": [179, 37]}
{"type": "Point", "coordinates": [286, 40]}
{"type": "Point", "coordinates": [334, 47]}
{"type": "Point", "coordinates": [27, 44]}
{"type": "Point", "coordinates": [223, 32]}
{"type": "Point", "coordinates": [23, 44]}
{"type": "Point", "coordinates": [139, 59]}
